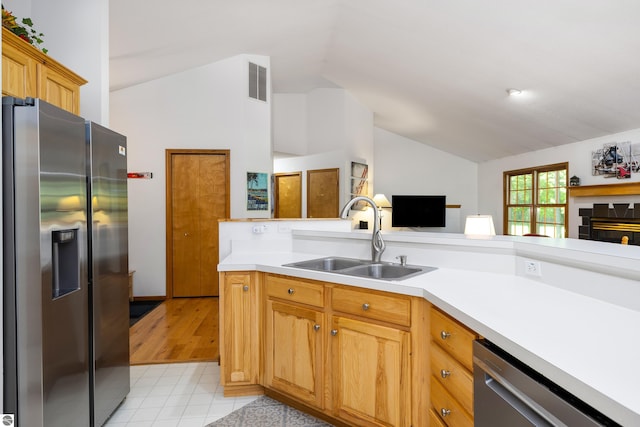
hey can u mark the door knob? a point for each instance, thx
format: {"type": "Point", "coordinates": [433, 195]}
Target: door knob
{"type": "Point", "coordinates": [245, 288]}
{"type": "Point", "coordinates": [444, 373]}
{"type": "Point", "coordinates": [444, 335]}
{"type": "Point", "coordinates": [444, 412]}
{"type": "Point", "coordinates": [334, 332]}
{"type": "Point", "coordinates": [291, 291]}
{"type": "Point", "coordinates": [365, 307]}
{"type": "Point", "coordinates": [316, 327]}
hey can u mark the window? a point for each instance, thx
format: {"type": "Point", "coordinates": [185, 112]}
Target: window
{"type": "Point", "coordinates": [536, 201]}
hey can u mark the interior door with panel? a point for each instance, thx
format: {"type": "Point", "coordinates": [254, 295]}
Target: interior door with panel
{"type": "Point", "coordinates": [197, 197]}
{"type": "Point", "coordinates": [288, 195]}
{"type": "Point", "coordinates": [323, 193]}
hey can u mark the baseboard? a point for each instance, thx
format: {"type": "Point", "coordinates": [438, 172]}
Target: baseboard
{"type": "Point", "coordinates": [150, 298]}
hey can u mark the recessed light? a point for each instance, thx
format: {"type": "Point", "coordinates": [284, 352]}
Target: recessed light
{"type": "Point", "coordinates": [514, 92]}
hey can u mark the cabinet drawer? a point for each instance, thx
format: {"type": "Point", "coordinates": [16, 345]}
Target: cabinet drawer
{"type": "Point", "coordinates": [448, 408]}
{"type": "Point", "coordinates": [295, 290]}
{"type": "Point", "coordinates": [453, 376]}
{"type": "Point", "coordinates": [385, 307]}
{"type": "Point", "coordinates": [456, 339]}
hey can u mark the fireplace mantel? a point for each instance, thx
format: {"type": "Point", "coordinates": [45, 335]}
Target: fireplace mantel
{"type": "Point", "coordinates": [626, 189]}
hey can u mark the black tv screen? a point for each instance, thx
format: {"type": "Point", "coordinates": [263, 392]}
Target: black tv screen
{"type": "Point", "coordinates": [418, 211]}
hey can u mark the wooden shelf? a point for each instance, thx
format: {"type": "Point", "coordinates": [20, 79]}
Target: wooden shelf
{"type": "Point", "coordinates": [629, 188]}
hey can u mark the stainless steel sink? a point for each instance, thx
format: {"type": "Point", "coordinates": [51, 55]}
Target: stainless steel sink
{"type": "Point", "coordinates": [362, 268]}
{"type": "Point", "coordinates": [385, 271]}
{"type": "Point", "coordinates": [328, 263]}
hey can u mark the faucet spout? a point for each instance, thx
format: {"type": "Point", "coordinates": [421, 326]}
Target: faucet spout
{"type": "Point", "coordinates": [377, 243]}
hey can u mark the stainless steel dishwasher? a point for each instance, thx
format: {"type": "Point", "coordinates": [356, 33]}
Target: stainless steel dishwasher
{"type": "Point", "coordinates": [507, 393]}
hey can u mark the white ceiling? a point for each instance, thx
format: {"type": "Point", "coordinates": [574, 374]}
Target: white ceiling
{"type": "Point", "coordinates": [435, 71]}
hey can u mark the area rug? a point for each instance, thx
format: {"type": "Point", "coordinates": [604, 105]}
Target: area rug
{"type": "Point", "coordinates": [139, 309]}
{"type": "Point", "coordinates": [266, 412]}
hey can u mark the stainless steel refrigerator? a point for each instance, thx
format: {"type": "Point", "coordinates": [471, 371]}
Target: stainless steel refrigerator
{"type": "Point", "coordinates": [65, 267]}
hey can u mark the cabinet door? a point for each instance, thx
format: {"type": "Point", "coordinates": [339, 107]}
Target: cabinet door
{"type": "Point", "coordinates": [294, 351]}
{"type": "Point", "coordinates": [18, 73]}
{"type": "Point", "coordinates": [370, 375]}
{"type": "Point", "coordinates": [58, 90]}
{"type": "Point", "coordinates": [239, 355]}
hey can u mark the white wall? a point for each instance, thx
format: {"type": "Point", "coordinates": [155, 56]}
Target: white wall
{"type": "Point", "coordinates": [76, 33]}
{"type": "Point", "coordinates": [577, 154]}
{"type": "Point", "coordinates": [289, 111]}
{"type": "Point", "coordinates": [339, 130]}
{"type": "Point", "coordinates": [404, 166]}
{"type": "Point", "coordinates": [206, 107]}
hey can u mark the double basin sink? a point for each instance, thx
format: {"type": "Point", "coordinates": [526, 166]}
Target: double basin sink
{"type": "Point", "coordinates": [362, 268]}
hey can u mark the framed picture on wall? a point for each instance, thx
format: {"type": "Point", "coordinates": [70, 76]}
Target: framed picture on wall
{"type": "Point", "coordinates": [257, 191]}
{"type": "Point", "coordinates": [359, 183]}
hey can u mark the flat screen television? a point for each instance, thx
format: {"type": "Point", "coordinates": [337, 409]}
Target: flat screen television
{"type": "Point", "coordinates": [418, 211]}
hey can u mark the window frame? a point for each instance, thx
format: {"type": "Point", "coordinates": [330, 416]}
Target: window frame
{"type": "Point", "coordinates": [534, 171]}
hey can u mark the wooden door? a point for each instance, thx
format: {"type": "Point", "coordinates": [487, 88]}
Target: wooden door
{"type": "Point", "coordinates": [288, 195]}
{"type": "Point", "coordinates": [197, 196]}
{"type": "Point", "coordinates": [323, 193]}
{"type": "Point", "coordinates": [293, 359]}
{"type": "Point", "coordinates": [371, 383]}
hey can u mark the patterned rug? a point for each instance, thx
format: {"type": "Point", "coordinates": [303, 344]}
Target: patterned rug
{"type": "Point", "coordinates": [266, 412]}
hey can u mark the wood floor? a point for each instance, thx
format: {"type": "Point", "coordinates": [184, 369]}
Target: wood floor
{"type": "Point", "coordinates": [178, 330]}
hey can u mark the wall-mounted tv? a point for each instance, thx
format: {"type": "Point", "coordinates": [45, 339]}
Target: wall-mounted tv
{"type": "Point", "coordinates": [418, 211]}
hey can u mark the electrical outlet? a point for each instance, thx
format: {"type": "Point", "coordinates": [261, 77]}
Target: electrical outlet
{"type": "Point", "coordinates": [532, 268]}
{"type": "Point", "coordinates": [259, 229]}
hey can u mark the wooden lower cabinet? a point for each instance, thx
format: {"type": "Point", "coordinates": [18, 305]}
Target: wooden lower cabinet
{"type": "Point", "coordinates": [240, 333]}
{"type": "Point", "coordinates": [327, 349]}
{"type": "Point", "coordinates": [293, 351]}
{"type": "Point", "coordinates": [371, 384]}
{"type": "Point", "coordinates": [451, 370]}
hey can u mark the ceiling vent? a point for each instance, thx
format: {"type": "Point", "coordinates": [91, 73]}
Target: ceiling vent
{"type": "Point", "coordinates": [257, 82]}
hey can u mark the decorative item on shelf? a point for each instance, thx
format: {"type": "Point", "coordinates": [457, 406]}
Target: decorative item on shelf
{"type": "Point", "coordinates": [381, 201]}
{"type": "Point", "coordinates": [25, 31]}
{"type": "Point", "coordinates": [574, 181]}
{"type": "Point", "coordinates": [359, 184]}
{"type": "Point", "coordinates": [479, 226]}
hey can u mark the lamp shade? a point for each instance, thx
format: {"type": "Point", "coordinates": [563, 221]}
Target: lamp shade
{"type": "Point", "coordinates": [479, 225]}
{"type": "Point", "coordinates": [381, 201]}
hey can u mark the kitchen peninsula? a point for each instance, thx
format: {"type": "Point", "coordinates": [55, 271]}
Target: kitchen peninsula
{"type": "Point", "coordinates": [575, 323]}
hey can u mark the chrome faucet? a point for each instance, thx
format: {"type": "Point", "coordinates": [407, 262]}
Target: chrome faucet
{"type": "Point", "coordinates": [377, 244]}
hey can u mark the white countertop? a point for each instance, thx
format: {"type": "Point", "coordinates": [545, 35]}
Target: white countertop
{"type": "Point", "coordinates": [589, 347]}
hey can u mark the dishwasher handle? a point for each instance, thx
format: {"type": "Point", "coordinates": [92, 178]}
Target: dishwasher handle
{"type": "Point", "coordinates": [517, 399]}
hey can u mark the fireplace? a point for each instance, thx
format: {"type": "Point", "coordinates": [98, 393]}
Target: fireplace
{"type": "Point", "coordinates": [610, 223]}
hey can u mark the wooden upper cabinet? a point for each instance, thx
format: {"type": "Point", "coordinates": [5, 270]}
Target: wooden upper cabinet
{"type": "Point", "coordinates": [27, 72]}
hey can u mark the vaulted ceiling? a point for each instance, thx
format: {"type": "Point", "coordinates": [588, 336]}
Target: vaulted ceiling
{"type": "Point", "coordinates": [435, 71]}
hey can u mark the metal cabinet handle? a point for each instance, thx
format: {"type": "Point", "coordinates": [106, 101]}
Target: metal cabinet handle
{"type": "Point", "coordinates": [444, 373]}
{"type": "Point", "coordinates": [245, 288]}
{"type": "Point", "coordinates": [291, 291]}
{"type": "Point", "coordinates": [444, 335]}
{"type": "Point", "coordinates": [334, 332]}
{"type": "Point", "coordinates": [444, 412]}
{"type": "Point", "coordinates": [365, 306]}
{"type": "Point", "coordinates": [316, 327]}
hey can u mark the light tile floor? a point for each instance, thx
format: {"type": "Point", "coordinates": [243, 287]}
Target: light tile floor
{"type": "Point", "coordinates": [175, 395]}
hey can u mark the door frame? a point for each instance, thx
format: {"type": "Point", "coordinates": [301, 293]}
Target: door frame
{"type": "Point", "coordinates": [169, 206]}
